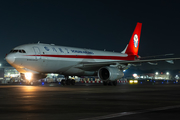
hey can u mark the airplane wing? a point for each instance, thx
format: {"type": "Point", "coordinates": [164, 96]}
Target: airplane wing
{"type": "Point", "coordinates": [148, 60]}
{"type": "Point", "coordinates": [155, 56]}
{"type": "Point", "coordinates": [97, 65]}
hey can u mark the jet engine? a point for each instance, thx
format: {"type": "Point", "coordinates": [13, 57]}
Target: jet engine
{"type": "Point", "coordinates": [32, 77]}
{"type": "Point", "coordinates": [110, 73]}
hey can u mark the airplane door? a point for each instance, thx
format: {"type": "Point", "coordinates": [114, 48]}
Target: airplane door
{"type": "Point", "coordinates": [37, 52]}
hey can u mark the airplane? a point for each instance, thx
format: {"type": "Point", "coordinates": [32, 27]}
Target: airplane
{"type": "Point", "coordinates": [34, 61]}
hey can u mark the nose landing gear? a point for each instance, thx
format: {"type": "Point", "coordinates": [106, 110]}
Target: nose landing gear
{"type": "Point", "coordinates": [29, 83]}
{"type": "Point", "coordinates": [67, 81]}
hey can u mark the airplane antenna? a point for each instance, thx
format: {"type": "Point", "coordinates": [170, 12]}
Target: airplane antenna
{"type": "Point", "coordinates": [104, 49]}
{"type": "Point", "coordinates": [38, 42]}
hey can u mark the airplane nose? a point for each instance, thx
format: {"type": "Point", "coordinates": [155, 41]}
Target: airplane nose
{"type": "Point", "coordinates": [10, 58]}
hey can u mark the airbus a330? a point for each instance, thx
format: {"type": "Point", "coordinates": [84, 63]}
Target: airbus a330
{"type": "Point", "coordinates": [34, 61]}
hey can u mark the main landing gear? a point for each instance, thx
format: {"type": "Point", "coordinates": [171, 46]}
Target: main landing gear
{"type": "Point", "coordinates": [29, 82]}
{"type": "Point", "coordinates": [110, 83]}
{"type": "Point", "coordinates": [67, 81]}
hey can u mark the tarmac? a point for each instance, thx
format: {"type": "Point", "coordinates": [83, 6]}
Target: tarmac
{"type": "Point", "coordinates": [90, 102]}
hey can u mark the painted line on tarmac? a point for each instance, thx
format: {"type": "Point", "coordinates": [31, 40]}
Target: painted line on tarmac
{"type": "Point", "coordinates": [131, 113]}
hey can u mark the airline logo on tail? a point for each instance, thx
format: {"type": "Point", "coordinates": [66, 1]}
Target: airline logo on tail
{"type": "Point", "coordinates": [133, 45]}
{"type": "Point", "coordinates": [135, 40]}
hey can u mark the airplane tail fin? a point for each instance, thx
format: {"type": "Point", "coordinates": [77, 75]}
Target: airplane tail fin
{"type": "Point", "coordinates": [133, 46]}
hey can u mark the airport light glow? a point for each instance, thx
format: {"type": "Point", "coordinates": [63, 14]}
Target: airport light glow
{"type": "Point", "coordinates": [28, 89]}
{"type": "Point", "coordinates": [130, 81]}
{"type": "Point", "coordinates": [28, 76]}
{"type": "Point", "coordinates": [133, 81]}
{"type": "Point", "coordinates": [42, 83]}
{"type": "Point", "coordinates": [135, 75]}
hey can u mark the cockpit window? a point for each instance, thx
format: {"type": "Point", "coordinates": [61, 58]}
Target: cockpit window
{"type": "Point", "coordinates": [15, 51]}
{"type": "Point", "coordinates": [23, 51]}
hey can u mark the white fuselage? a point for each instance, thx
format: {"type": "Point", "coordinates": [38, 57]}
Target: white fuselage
{"type": "Point", "coordinates": [48, 58]}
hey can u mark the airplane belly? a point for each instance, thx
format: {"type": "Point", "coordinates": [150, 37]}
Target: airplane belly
{"type": "Point", "coordinates": [65, 67]}
{"type": "Point", "coordinates": [62, 65]}
{"type": "Point", "coordinates": [78, 72]}
{"type": "Point", "coordinates": [51, 65]}
{"type": "Point", "coordinates": [33, 64]}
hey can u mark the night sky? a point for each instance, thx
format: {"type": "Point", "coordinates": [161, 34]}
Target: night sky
{"type": "Point", "coordinates": [94, 24]}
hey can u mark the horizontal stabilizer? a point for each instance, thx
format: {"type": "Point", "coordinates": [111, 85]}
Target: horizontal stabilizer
{"type": "Point", "coordinates": [155, 56]}
{"type": "Point", "coordinates": [170, 61]}
{"type": "Point", "coordinates": [152, 63]}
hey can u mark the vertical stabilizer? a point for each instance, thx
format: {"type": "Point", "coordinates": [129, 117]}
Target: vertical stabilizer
{"type": "Point", "coordinates": [133, 46]}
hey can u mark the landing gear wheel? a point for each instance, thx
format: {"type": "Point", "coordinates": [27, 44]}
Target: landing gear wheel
{"type": "Point", "coordinates": [68, 82]}
{"type": "Point", "coordinates": [31, 83]}
{"type": "Point", "coordinates": [109, 83]}
{"type": "Point", "coordinates": [104, 83]}
{"type": "Point", "coordinates": [63, 82]}
{"type": "Point", "coordinates": [72, 82]}
{"type": "Point", "coordinates": [28, 83]}
{"type": "Point", "coordinates": [114, 82]}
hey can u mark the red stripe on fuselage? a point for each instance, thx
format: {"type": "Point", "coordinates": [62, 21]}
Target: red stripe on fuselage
{"type": "Point", "coordinates": [88, 57]}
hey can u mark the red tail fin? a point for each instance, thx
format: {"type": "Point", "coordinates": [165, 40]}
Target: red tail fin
{"type": "Point", "coordinates": [133, 45]}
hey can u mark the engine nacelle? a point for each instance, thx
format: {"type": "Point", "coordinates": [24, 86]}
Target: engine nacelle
{"type": "Point", "coordinates": [110, 73]}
